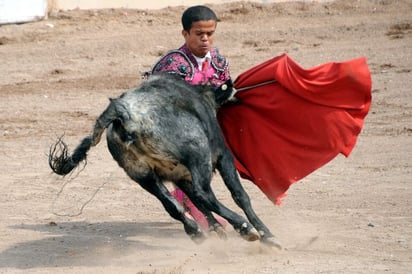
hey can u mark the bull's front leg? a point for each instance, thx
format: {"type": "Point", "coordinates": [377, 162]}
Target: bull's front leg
{"type": "Point", "coordinates": [204, 196]}
{"type": "Point", "coordinates": [213, 224]}
{"type": "Point", "coordinates": [175, 210]}
{"type": "Point", "coordinates": [228, 172]}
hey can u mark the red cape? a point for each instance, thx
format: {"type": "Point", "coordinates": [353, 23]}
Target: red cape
{"type": "Point", "coordinates": [290, 121]}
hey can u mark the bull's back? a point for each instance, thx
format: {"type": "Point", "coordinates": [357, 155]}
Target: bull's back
{"type": "Point", "coordinates": [158, 130]}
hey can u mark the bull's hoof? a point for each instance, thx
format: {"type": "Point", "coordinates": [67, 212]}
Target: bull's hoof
{"type": "Point", "coordinates": [219, 230]}
{"type": "Point", "coordinates": [193, 230]}
{"type": "Point", "coordinates": [198, 237]}
{"type": "Point", "coordinates": [249, 233]}
{"type": "Point", "coordinates": [272, 242]}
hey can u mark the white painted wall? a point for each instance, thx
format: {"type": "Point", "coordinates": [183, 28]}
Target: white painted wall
{"type": "Point", "coordinates": [20, 11]}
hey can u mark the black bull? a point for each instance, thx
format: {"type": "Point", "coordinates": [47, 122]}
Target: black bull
{"type": "Point", "coordinates": [166, 130]}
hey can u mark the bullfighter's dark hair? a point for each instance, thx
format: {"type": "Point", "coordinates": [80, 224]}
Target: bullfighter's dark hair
{"type": "Point", "coordinates": [196, 14]}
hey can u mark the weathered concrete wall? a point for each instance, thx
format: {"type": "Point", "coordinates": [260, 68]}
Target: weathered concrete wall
{"type": "Point", "coordinates": [133, 4]}
{"type": "Point", "coordinates": [18, 11]}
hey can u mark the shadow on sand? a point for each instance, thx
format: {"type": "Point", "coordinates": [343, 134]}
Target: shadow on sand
{"type": "Point", "coordinates": [88, 244]}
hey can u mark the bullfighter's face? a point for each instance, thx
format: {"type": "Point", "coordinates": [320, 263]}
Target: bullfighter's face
{"type": "Point", "coordinates": [199, 39]}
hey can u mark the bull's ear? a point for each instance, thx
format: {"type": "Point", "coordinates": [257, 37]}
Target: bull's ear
{"type": "Point", "coordinates": [229, 82]}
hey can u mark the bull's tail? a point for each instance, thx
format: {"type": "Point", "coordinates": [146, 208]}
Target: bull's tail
{"type": "Point", "coordinates": [62, 163]}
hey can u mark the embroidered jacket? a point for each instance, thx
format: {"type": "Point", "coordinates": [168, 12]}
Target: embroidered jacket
{"type": "Point", "coordinates": [182, 62]}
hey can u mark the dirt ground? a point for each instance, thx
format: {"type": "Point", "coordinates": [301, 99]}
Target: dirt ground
{"type": "Point", "coordinates": [351, 216]}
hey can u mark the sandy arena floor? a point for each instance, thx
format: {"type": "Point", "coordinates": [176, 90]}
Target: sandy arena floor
{"type": "Point", "coordinates": [351, 216]}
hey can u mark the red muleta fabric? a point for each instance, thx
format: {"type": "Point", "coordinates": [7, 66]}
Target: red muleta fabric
{"type": "Point", "coordinates": [291, 121]}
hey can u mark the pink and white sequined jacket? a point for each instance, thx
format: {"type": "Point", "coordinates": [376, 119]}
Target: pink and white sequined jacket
{"type": "Point", "coordinates": [182, 62]}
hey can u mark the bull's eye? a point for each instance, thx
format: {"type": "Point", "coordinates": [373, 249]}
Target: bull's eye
{"type": "Point", "coordinates": [224, 87]}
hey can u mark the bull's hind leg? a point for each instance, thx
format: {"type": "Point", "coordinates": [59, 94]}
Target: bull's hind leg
{"type": "Point", "coordinates": [227, 170]}
{"type": "Point", "coordinates": [158, 189]}
{"type": "Point", "coordinates": [149, 182]}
